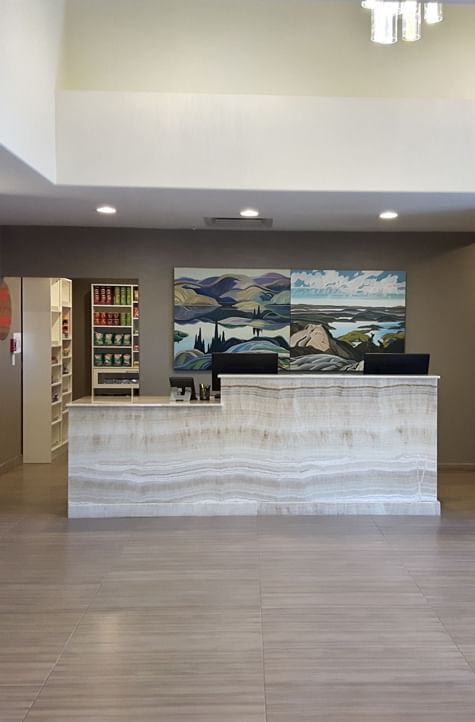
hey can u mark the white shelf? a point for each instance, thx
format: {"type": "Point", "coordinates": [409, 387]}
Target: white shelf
{"type": "Point", "coordinates": [114, 328]}
{"type": "Point", "coordinates": [116, 386]}
{"type": "Point", "coordinates": [47, 306]}
{"type": "Point", "coordinates": [58, 445]}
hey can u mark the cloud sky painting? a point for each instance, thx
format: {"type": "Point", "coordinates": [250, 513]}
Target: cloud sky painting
{"type": "Point", "coordinates": [371, 288]}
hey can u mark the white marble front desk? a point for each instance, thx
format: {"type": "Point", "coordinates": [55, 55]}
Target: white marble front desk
{"type": "Point", "coordinates": [288, 444]}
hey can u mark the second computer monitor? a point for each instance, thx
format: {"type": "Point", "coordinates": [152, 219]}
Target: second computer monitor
{"type": "Point", "coordinates": [397, 363]}
{"type": "Point", "coordinates": [242, 363]}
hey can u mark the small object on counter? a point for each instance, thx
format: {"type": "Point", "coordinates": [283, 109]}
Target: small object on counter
{"type": "Point", "coordinates": [205, 392]}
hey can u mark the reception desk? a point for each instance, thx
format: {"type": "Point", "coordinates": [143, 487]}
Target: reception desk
{"type": "Point", "coordinates": [287, 444]}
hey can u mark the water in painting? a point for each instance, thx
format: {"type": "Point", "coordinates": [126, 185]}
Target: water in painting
{"type": "Point", "coordinates": [236, 311]}
{"type": "Point", "coordinates": [339, 316]}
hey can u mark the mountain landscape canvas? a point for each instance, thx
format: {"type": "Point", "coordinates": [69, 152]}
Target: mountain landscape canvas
{"type": "Point", "coordinates": [231, 311]}
{"type": "Point", "coordinates": [339, 316]}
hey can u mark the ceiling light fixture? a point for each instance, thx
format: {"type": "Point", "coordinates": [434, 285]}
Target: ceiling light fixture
{"type": "Point", "coordinates": [249, 213]}
{"type": "Point", "coordinates": [106, 210]}
{"type": "Point", "coordinates": [385, 16]}
{"type": "Point", "coordinates": [388, 215]}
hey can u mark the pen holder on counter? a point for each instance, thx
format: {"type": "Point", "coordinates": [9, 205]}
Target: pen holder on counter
{"type": "Point", "coordinates": [205, 392]}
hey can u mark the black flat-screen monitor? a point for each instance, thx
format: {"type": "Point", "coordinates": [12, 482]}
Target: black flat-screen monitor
{"type": "Point", "coordinates": [184, 382]}
{"type": "Point", "coordinates": [398, 364]}
{"type": "Point", "coordinates": [242, 363]}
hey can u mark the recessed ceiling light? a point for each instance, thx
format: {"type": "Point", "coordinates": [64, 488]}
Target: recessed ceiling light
{"type": "Point", "coordinates": [388, 215]}
{"type": "Point", "coordinates": [107, 210]}
{"type": "Point", "coordinates": [249, 213]}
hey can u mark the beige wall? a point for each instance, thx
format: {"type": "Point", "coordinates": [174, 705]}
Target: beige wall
{"type": "Point", "coordinates": [440, 290]}
{"type": "Point", "coordinates": [10, 388]}
{"type": "Point", "coordinates": [276, 47]}
{"type": "Point", "coordinates": [30, 47]}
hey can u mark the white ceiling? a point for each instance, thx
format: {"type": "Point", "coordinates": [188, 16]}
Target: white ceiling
{"type": "Point", "coordinates": [28, 199]}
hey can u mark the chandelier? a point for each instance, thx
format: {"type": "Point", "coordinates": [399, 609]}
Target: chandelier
{"type": "Point", "coordinates": [386, 15]}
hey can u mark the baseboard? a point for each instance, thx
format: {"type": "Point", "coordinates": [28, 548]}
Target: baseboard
{"type": "Point", "coordinates": [10, 464]}
{"type": "Point", "coordinates": [457, 467]}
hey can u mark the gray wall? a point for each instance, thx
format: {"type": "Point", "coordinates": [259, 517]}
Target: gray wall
{"type": "Point", "coordinates": [440, 290]}
{"type": "Point", "coordinates": [10, 388]}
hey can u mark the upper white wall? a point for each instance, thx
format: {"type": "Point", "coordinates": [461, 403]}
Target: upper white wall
{"type": "Point", "coordinates": [30, 46]}
{"type": "Point", "coordinates": [277, 47]}
{"type": "Point", "coordinates": [266, 142]}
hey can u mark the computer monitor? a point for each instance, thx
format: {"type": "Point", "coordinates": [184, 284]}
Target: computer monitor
{"type": "Point", "coordinates": [242, 363]}
{"type": "Point", "coordinates": [398, 364]}
{"type": "Point", "coordinates": [184, 382]}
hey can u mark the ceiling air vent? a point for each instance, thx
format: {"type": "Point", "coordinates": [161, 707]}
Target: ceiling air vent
{"type": "Point", "coordinates": [239, 224]}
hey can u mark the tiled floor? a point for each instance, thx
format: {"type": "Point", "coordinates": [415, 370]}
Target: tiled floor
{"type": "Point", "coordinates": [314, 619]}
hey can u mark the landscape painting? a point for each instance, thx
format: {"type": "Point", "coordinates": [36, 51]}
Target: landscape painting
{"type": "Point", "coordinates": [231, 311]}
{"type": "Point", "coordinates": [339, 316]}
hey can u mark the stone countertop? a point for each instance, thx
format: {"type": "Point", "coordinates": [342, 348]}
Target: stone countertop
{"type": "Point", "coordinates": [327, 376]}
{"type": "Point", "coordinates": [139, 401]}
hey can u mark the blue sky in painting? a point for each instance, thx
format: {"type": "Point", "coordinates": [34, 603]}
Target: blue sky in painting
{"type": "Point", "coordinates": [366, 288]}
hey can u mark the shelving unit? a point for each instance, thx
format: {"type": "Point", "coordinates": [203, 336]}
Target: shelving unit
{"type": "Point", "coordinates": [47, 366]}
{"type": "Point", "coordinates": [115, 319]}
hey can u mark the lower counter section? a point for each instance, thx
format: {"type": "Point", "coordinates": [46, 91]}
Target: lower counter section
{"type": "Point", "coordinates": [275, 445]}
